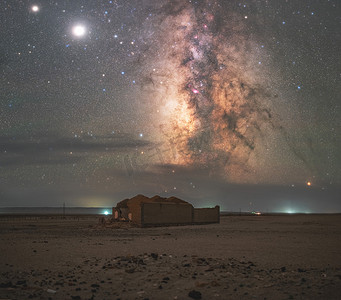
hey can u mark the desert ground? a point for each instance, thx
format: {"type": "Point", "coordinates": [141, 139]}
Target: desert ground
{"type": "Point", "coordinates": [243, 257]}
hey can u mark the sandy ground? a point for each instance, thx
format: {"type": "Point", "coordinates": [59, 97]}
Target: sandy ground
{"type": "Point", "coordinates": [250, 257]}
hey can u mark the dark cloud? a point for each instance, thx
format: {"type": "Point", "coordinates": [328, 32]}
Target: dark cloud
{"type": "Point", "coordinates": [55, 150]}
{"type": "Point", "coordinates": [54, 159]}
{"type": "Point", "coordinates": [82, 144]}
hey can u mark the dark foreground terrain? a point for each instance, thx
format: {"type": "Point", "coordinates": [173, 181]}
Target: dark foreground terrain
{"type": "Point", "coordinates": [248, 257]}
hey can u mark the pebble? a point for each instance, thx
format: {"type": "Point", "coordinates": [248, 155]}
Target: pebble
{"type": "Point", "coordinates": [194, 294]}
{"type": "Point", "coordinates": [154, 255]}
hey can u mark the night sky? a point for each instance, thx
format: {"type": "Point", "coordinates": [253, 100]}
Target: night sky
{"type": "Point", "coordinates": [235, 103]}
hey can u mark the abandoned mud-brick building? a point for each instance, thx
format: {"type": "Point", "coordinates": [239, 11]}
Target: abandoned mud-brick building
{"type": "Point", "coordinates": [156, 211]}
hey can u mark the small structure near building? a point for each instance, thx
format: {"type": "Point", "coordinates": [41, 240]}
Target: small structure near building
{"type": "Point", "coordinates": [159, 211]}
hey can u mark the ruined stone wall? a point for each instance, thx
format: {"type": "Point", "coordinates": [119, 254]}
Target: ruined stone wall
{"type": "Point", "coordinates": [206, 215]}
{"type": "Point", "coordinates": [161, 213]}
{"type": "Point", "coordinates": [135, 210]}
{"type": "Point", "coordinates": [166, 214]}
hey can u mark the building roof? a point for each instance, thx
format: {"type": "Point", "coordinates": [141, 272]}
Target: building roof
{"type": "Point", "coordinates": [138, 199]}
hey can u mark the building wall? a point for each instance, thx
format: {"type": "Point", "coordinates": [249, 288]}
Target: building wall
{"type": "Point", "coordinates": [121, 214]}
{"type": "Point", "coordinates": [156, 213]}
{"type": "Point", "coordinates": [166, 214]}
{"type": "Point", "coordinates": [206, 215]}
{"type": "Point", "coordinates": [135, 210]}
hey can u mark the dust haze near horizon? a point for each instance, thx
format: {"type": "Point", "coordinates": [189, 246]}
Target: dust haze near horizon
{"type": "Point", "coordinates": [235, 103]}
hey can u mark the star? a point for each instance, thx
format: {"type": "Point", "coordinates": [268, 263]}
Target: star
{"type": "Point", "coordinates": [78, 30]}
{"type": "Point", "coordinates": [35, 8]}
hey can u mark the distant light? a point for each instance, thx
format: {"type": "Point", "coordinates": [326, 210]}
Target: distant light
{"type": "Point", "coordinates": [106, 213]}
{"type": "Point", "coordinates": [257, 213]}
{"type": "Point", "coordinates": [79, 30]}
{"type": "Point", "coordinates": [35, 8]}
{"type": "Point", "coordinates": [141, 134]}
{"type": "Point", "coordinates": [195, 91]}
{"type": "Point", "coordinates": [308, 183]}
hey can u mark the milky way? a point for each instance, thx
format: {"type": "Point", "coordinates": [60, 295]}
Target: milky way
{"type": "Point", "coordinates": [212, 109]}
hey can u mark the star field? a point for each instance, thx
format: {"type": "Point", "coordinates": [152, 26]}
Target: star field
{"type": "Point", "coordinates": [181, 97]}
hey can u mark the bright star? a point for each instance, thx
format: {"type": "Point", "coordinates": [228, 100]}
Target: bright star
{"type": "Point", "coordinates": [35, 8]}
{"type": "Point", "coordinates": [78, 30]}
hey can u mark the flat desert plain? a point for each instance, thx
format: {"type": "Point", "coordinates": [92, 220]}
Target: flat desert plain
{"type": "Point", "coordinates": [243, 257]}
